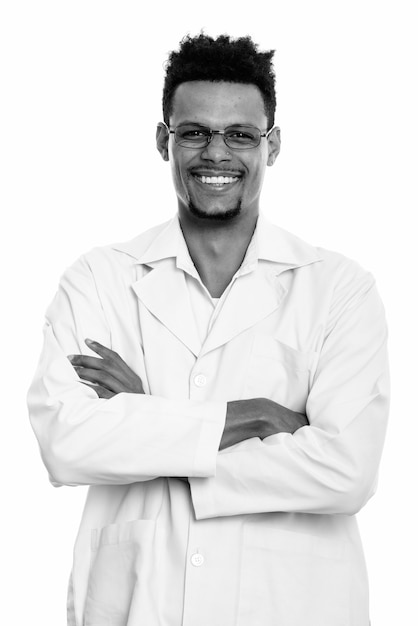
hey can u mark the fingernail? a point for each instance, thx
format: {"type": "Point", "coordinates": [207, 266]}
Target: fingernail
{"type": "Point", "coordinates": [89, 341]}
{"type": "Point", "coordinates": [70, 357]}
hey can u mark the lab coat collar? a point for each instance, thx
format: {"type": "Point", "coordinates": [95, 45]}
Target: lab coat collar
{"type": "Point", "coordinates": [253, 295]}
{"type": "Point", "coordinates": [270, 243]}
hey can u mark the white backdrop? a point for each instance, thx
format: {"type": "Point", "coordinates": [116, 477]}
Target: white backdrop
{"type": "Point", "coordinates": [82, 84]}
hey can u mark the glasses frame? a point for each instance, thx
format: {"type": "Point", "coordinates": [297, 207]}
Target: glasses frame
{"type": "Point", "coordinates": [213, 132]}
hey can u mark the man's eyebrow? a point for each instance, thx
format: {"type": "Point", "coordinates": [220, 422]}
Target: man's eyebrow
{"type": "Point", "coordinates": [194, 123]}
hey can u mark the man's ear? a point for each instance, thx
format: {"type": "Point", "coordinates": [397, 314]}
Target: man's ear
{"type": "Point", "coordinates": [273, 145]}
{"type": "Point", "coordinates": [162, 140]}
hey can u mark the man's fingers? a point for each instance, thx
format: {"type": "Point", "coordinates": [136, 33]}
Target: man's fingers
{"type": "Point", "coordinates": [111, 362]}
{"type": "Point", "coordinates": [82, 360]}
{"type": "Point", "coordinates": [110, 370]}
{"type": "Point", "coordinates": [104, 352]}
{"type": "Point", "coordinates": [114, 362]}
{"type": "Point", "coordinates": [102, 392]}
{"type": "Point", "coordinates": [101, 378]}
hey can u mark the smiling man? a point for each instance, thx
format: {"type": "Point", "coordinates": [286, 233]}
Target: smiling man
{"type": "Point", "coordinates": [221, 385]}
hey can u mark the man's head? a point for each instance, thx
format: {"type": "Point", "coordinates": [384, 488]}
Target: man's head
{"type": "Point", "coordinates": [218, 134]}
{"type": "Point", "coordinates": [203, 58]}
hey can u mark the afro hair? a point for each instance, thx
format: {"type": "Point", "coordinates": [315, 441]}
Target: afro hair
{"type": "Point", "coordinates": [221, 59]}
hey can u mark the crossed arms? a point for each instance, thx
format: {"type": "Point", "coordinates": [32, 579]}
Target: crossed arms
{"type": "Point", "coordinates": [245, 419]}
{"type": "Point", "coordinates": [115, 434]}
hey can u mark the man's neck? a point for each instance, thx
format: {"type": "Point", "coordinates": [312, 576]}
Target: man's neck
{"type": "Point", "coordinates": [217, 248]}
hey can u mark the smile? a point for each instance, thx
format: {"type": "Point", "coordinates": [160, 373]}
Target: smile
{"type": "Point", "coordinates": [217, 180]}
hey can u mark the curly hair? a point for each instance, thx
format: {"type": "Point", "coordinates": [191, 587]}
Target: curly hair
{"type": "Point", "coordinates": [221, 59]}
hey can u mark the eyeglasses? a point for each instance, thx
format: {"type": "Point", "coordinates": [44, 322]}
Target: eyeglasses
{"type": "Point", "coordinates": [237, 137]}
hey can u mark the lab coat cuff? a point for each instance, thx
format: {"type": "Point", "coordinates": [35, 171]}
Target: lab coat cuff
{"type": "Point", "coordinates": [203, 497]}
{"type": "Point", "coordinates": [210, 438]}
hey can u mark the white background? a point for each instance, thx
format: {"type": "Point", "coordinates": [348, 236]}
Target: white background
{"type": "Point", "coordinates": [82, 84]}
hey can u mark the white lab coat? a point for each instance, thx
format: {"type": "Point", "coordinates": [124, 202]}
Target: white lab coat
{"type": "Point", "coordinates": [266, 533]}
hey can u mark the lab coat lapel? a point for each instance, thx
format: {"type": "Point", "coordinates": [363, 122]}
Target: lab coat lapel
{"type": "Point", "coordinates": [260, 291]}
{"type": "Point", "coordinates": [163, 291]}
{"type": "Point", "coordinates": [252, 297]}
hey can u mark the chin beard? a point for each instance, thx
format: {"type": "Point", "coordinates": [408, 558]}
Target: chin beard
{"type": "Point", "coordinates": [224, 216]}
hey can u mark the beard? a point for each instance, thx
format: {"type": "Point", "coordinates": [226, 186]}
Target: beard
{"type": "Point", "coordinates": [223, 216]}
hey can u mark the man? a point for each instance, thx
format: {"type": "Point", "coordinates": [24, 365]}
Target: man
{"type": "Point", "coordinates": [220, 384]}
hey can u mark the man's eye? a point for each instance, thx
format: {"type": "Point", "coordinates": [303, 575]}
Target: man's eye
{"type": "Point", "coordinates": [239, 134]}
{"type": "Point", "coordinates": [190, 134]}
{"type": "Point", "coordinates": [193, 133]}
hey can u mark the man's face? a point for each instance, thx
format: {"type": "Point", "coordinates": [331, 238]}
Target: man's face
{"type": "Point", "coordinates": [195, 170]}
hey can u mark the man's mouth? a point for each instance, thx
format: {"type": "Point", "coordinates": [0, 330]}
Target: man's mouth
{"type": "Point", "coordinates": [216, 181]}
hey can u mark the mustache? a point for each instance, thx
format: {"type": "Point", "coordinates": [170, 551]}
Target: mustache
{"type": "Point", "coordinates": [215, 171]}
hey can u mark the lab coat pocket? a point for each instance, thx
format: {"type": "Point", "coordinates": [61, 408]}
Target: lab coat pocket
{"type": "Point", "coordinates": [121, 563]}
{"type": "Point", "coordinates": [292, 578]}
{"type": "Point", "coordinates": [279, 372]}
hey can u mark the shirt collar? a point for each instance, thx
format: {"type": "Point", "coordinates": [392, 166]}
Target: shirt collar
{"type": "Point", "coordinates": [269, 243]}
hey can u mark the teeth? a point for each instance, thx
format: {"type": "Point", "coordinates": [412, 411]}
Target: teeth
{"type": "Point", "coordinates": [218, 180]}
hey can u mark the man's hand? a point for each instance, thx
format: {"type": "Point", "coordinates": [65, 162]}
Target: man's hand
{"type": "Point", "coordinates": [258, 417]}
{"type": "Point", "coordinates": [110, 374]}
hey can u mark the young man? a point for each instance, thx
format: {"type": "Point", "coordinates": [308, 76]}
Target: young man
{"type": "Point", "coordinates": [230, 406]}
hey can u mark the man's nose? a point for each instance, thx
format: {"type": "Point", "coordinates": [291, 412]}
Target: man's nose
{"type": "Point", "coordinates": [217, 150]}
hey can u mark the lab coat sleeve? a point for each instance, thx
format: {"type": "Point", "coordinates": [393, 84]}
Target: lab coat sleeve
{"type": "Point", "coordinates": [85, 440]}
{"type": "Point", "coordinates": [330, 466]}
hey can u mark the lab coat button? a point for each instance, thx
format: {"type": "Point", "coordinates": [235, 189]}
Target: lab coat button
{"type": "Point", "coordinates": [197, 559]}
{"type": "Point", "coordinates": [200, 380]}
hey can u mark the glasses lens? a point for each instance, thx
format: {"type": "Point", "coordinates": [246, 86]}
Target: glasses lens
{"type": "Point", "coordinates": [192, 135]}
{"type": "Point", "coordinates": [238, 137]}
{"type": "Point", "coordinates": [242, 137]}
